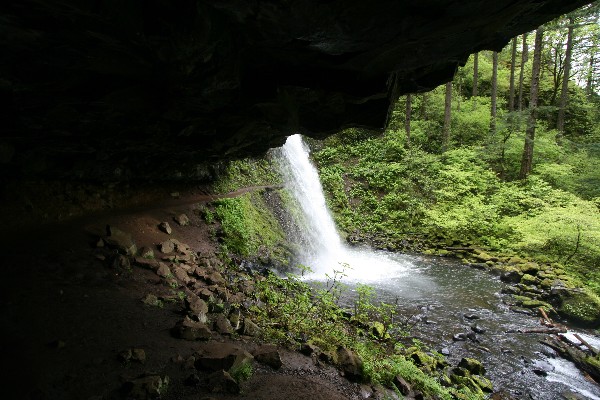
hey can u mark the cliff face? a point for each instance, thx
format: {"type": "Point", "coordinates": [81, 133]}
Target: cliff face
{"type": "Point", "coordinates": [120, 89]}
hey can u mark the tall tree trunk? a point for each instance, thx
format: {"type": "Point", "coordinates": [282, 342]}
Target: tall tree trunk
{"type": "Point", "coordinates": [407, 118]}
{"type": "Point", "coordinates": [511, 91]}
{"type": "Point", "coordinates": [527, 159]}
{"type": "Point", "coordinates": [564, 94]}
{"type": "Point", "coordinates": [589, 87]}
{"type": "Point", "coordinates": [524, 57]}
{"type": "Point", "coordinates": [447, 115]}
{"type": "Point", "coordinates": [494, 93]}
{"type": "Point", "coordinates": [475, 73]}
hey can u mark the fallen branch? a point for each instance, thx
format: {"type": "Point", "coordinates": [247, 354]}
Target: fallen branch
{"type": "Point", "coordinates": [591, 348]}
{"type": "Point", "coordinates": [549, 331]}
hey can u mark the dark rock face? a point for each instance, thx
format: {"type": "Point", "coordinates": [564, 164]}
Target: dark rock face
{"type": "Point", "coordinates": [115, 90]}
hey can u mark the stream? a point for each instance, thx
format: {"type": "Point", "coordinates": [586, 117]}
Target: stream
{"type": "Point", "coordinates": [441, 297]}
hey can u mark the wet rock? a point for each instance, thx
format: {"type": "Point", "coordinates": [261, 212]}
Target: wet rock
{"type": "Point", "coordinates": [472, 365]}
{"type": "Point", "coordinates": [268, 355]}
{"type": "Point", "coordinates": [182, 219]}
{"type": "Point", "coordinates": [120, 240]}
{"type": "Point", "coordinates": [541, 368]}
{"type": "Point", "coordinates": [221, 382]}
{"type": "Point", "coordinates": [478, 329]}
{"type": "Point", "coordinates": [502, 395]}
{"type": "Point", "coordinates": [472, 336]}
{"type": "Point", "coordinates": [445, 351]}
{"type": "Point", "coordinates": [167, 247]}
{"type": "Point", "coordinates": [349, 363]}
{"type": "Point", "coordinates": [215, 356]}
{"type": "Point", "coordinates": [483, 383]}
{"type": "Point", "coordinates": [152, 300]}
{"type": "Point", "coordinates": [459, 337]}
{"type": "Point", "coordinates": [146, 387]}
{"type": "Point", "coordinates": [191, 330]}
{"type": "Point", "coordinates": [511, 275]}
{"type": "Point", "coordinates": [165, 227]}
{"type": "Point", "coordinates": [365, 391]}
{"type": "Point", "coordinates": [471, 316]}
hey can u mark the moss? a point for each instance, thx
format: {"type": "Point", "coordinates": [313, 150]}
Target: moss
{"type": "Point", "coordinates": [580, 307]}
{"type": "Point", "coordinates": [528, 279]}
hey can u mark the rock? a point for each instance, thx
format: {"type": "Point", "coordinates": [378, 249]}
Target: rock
{"type": "Point", "coordinates": [182, 219]}
{"type": "Point", "coordinates": [221, 382]}
{"type": "Point", "coordinates": [365, 391]}
{"type": "Point", "coordinates": [478, 329]}
{"type": "Point", "coordinates": [222, 325]}
{"type": "Point", "coordinates": [192, 380]}
{"type": "Point", "coordinates": [308, 349]}
{"type": "Point", "coordinates": [120, 263]}
{"type": "Point", "coordinates": [511, 275]}
{"type": "Point", "coordinates": [541, 368]}
{"type": "Point", "coordinates": [472, 365]}
{"type": "Point", "coordinates": [471, 316]}
{"type": "Point", "coordinates": [501, 395]}
{"type": "Point", "coordinates": [138, 355]}
{"type": "Point", "coordinates": [268, 355]}
{"type": "Point", "coordinates": [197, 307]}
{"type": "Point", "coordinates": [403, 386]}
{"type": "Point", "coordinates": [147, 252]}
{"type": "Point", "coordinates": [579, 307]}
{"type": "Point", "coordinates": [215, 356]}
{"type": "Point", "coordinates": [163, 270]}
{"type": "Point", "coordinates": [165, 227]}
{"type": "Point", "coordinates": [191, 330]}
{"type": "Point", "coordinates": [527, 279]}
{"type": "Point", "coordinates": [445, 351]}
{"type": "Point", "coordinates": [378, 330]}
{"type": "Point", "coordinates": [148, 263]}
{"type": "Point", "coordinates": [146, 387]}
{"type": "Point", "coordinates": [120, 240]}
{"type": "Point", "coordinates": [483, 383]}
{"type": "Point", "coordinates": [459, 337]}
{"type": "Point", "coordinates": [152, 300]}
{"type": "Point", "coordinates": [215, 278]}
{"type": "Point", "coordinates": [167, 247]}
{"type": "Point", "coordinates": [180, 274]}
{"type": "Point", "coordinates": [349, 363]}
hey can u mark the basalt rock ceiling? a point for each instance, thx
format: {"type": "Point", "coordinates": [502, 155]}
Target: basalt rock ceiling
{"type": "Point", "coordinates": [121, 89]}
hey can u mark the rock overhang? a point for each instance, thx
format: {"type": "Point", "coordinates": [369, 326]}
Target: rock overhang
{"type": "Point", "coordinates": [116, 90]}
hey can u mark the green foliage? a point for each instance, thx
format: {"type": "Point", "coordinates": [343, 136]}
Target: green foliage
{"type": "Point", "coordinates": [293, 311]}
{"type": "Point", "coordinates": [237, 174]}
{"type": "Point", "coordinates": [249, 229]}
{"type": "Point", "coordinates": [242, 372]}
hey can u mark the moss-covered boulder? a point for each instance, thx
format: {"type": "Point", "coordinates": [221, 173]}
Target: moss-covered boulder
{"type": "Point", "coordinates": [580, 307]}
{"type": "Point", "coordinates": [472, 365]}
{"type": "Point", "coordinates": [528, 279]}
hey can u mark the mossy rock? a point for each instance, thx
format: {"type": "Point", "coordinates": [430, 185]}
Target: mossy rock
{"type": "Point", "coordinates": [472, 365]}
{"type": "Point", "coordinates": [482, 256]}
{"type": "Point", "coordinates": [528, 279]}
{"type": "Point", "coordinates": [531, 303]}
{"type": "Point", "coordinates": [484, 383]}
{"type": "Point", "coordinates": [547, 283]}
{"type": "Point", "coordinates": [520, 299]}
{"type": "Point", "coordinates": [530, 268]}
{"type": "Point", "coordinates": [424, 361]}
{"type": "Point", "coordinates": [580, 307]}
{"type": "Point", "coordinates": [378, 330]}
{"type": "Point", "coordinates": [516, 260]}
{"type": "Point", "coordinates": [511, 275]}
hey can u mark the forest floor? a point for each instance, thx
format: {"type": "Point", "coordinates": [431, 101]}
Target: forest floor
{"type": "Point", "coordinates": [65, 316]}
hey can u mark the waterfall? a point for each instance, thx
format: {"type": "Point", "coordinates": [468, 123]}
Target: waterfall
{"type": "Point", "coordinates": [320, 241]}
{"type": "Point", "coordinates": [321, 247]}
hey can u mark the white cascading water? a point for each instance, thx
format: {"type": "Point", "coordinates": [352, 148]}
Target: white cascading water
{"type": "Point", "coordinates": [322, 248]}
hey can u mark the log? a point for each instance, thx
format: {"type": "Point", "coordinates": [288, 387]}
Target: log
{"type": "Point", "coordinates": [549, 331]}
{"type": "Point", "coordinates": [590, 347]}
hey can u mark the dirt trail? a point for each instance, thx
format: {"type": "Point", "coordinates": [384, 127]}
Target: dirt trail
{"type": "Point", "coordinates": [65, 315]}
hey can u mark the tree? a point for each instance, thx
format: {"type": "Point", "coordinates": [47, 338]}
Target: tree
{"type": "Point", "coordinates": [475, 73]}
{"type": "Point", "coordinates": [407, 118]}
{"type": "Point", "coordinates": [447, 115]}
{"type": "Point", "coordinates": [494, 93]}
{"type": "Point", "coordinates": [524, 55]}
{"type": "Point", "coordinates": [511, 90]}
{"type": "Point", "coordinates": [560, 121]}
{"type": "Point", "coordinates": [527, 159]}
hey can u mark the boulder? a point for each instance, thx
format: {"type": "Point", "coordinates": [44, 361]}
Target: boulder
{"type": "Point", "coordinates": [191, 330]}
{"type": "Point", "coordinates": [478, 329]}
{"type": "Point", "coordinates": [163, 270]}
{"type": "Point", "coordinates": [349, 363]}
{"type": "Point", "coordinates": [268, 355]}
{"type": "Point", "coordinates": [221, 382]}
{"type": "Point", "coordinates": [166, 247]}
{"type": "Point", "coordinates": [402, 386]}
{"type": "Point", "coordinates": [147, 386]}
{"type": "Point", "coordinates": [120, 240]}
{"type": "Point", "coordinates": [472, 365]}
{"type": "Point", "coordinates": [165, 227]}
{"type": "Point", "coordinates": [215, 356]}
{"type": "Point", "coordinates": [222, 325]}
{"type": "Point", "coordinates": [182, 219]}
{"type": "Point", "coordinates": [196, 307]}
{"type": "Point", "coordinates": [579, 307]}
{"type": "Point", "coordinates": [541, 368]}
